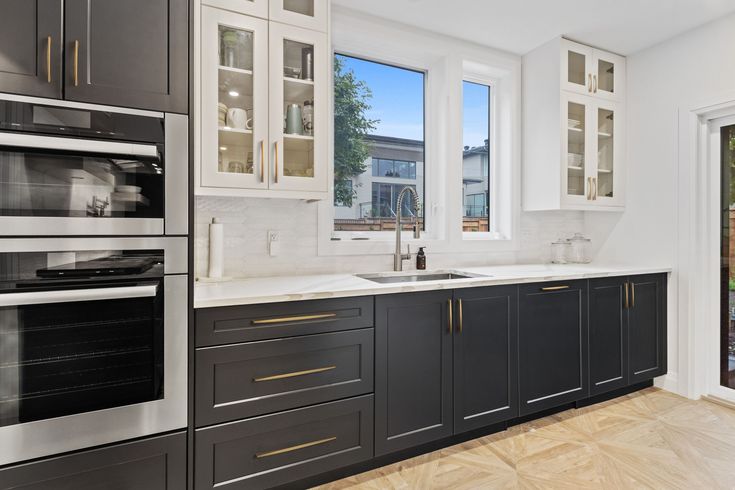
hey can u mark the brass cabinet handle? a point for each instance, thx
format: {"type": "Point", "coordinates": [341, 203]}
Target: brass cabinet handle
{"type": "Point", "coordinates": [594, 83]}
{"type": "Point", "coordinates": [262, 161]}
{"type": "Point", "coordinates": [294, 374]}
{"type": "Point", "coordinates": [275, 176]}
{"type": "Point", "coordinates": [451, 316]}
{"type": "Point", "coordinates": [589, 188]}
{"type": "Point", "coordinates": [459, 308]}
{"type": "Point", "coordinates": [632, 295]}
{"type": "Point", "coordinates": [594, 188]}
{"type": "Point", "coordinates": [48, 59]}
{"type": "Point", "coordinates": [295, 448]}
{"type": "Point", "coordinates": [76, 63]}
{"type": "Point", "coordinates": [297, 318]}
{"type": "Point", "coordinates": [589, 82]}
{"type": "Point", "coordinates": [627, 298]}
{"type": "Point", "coordinates": [554, 288]}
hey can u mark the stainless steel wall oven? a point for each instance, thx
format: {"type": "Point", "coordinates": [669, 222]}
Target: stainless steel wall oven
{"type": "Point", "coordinates": [93, 344]}
{"type": "Point", "coordinates": [79, 169]}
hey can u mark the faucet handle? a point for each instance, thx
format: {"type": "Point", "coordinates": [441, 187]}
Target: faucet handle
{"type": "Point", "coordinates": [408, 247]}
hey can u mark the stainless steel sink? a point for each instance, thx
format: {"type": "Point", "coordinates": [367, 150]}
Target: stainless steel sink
{"type": "Point", "coordinates": [402, 277]}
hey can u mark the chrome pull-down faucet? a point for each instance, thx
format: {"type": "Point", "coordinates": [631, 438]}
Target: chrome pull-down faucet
{"type": "Point", "coordinates": [398, 256]}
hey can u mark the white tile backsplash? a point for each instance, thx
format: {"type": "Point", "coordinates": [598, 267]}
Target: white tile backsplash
{"type": "Point", "coordinates": [247, 221]}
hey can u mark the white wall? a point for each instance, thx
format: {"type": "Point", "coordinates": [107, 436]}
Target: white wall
{"type": "Point", "coordinates": [663, 80]}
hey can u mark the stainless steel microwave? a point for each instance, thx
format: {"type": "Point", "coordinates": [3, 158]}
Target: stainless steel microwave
{"type": "Point", "coordinates": [74, 169]}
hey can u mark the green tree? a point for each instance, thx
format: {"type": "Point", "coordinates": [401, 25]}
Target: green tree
{"type": "Point", "coordinates": [351, 126]}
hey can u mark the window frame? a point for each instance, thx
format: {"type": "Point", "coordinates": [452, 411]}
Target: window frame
{"type": "Point", "coordinates": [446, 62]}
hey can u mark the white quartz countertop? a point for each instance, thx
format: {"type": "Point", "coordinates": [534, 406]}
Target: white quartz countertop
{"type": "Point", "coordinates": [259, 290]}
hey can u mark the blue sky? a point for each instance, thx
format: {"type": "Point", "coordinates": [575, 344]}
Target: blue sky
{"type": "Point", "coordinates": [398, 102]}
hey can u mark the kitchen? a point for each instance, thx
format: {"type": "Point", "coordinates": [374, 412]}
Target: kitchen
{"type": "Point", "coordinates": [303, 243]}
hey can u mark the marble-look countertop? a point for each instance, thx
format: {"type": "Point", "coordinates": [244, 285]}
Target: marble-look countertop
{"type": "Point", "coordinates": [260, 290]}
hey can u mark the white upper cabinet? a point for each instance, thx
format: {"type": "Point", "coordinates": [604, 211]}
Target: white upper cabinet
{"type": "Point", "coordinates": [310, 14]}
{"type": "Point", "coordinates": [256, 8]}
{"type": "Point", "coordinates": [573, 109]}
{"type": "Point", "coordinates": [262, 104]}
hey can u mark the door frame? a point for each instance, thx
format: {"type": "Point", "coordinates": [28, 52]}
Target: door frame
{"type": "Point", "coordinates": [698, 248]}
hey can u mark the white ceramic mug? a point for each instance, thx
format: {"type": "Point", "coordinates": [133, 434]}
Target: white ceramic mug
{"type": "Point", "coordinates": [238, 119]}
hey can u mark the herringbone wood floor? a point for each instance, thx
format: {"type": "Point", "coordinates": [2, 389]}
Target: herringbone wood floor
{"type": "Point", "coordinates": [649, 439]}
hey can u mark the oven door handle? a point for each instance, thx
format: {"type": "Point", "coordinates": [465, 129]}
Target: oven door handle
{"type": "Point", "coordinates": [22, 140]}
{"type": "Point", "coordinates": [72, 295]}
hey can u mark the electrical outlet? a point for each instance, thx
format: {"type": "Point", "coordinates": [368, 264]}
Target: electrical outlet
{"type": "Point", "coordinates": [273, 242]}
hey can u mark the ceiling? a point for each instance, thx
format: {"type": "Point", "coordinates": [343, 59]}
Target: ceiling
{"type": "Point", "coordinates": [518, 26]}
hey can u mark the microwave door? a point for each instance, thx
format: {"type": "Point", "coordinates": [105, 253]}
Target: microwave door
{"type": "Point", "coordinates": [67, 186]}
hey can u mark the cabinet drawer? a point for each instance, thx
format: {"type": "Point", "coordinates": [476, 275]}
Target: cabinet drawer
{"type": "Point", "coordinates": [275, 449]}
{"type": "Point", "coordinates": [157, 463]}
{"type": "Point", "coordinates": [232, 324]}
{"type": "Point", "coordinates": [245, 380]}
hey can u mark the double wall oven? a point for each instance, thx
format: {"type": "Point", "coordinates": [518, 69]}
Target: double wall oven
{"type": "Point", "coordinates": [93, 275]}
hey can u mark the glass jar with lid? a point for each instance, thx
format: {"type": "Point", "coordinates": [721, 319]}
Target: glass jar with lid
{"type": "Point", "coordinates": [579, 253]}
{"type": "Point", "coordinates": [559, 251]}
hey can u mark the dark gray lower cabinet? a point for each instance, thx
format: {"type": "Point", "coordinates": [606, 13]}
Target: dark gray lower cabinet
{"type": "Point", "coordinates": [485, 356]}
{"type": "Point", "coordinates": [608, 331]}
{"type": "Point", "coordinates": [647, 327]}
{"type": "Point", "coordinates": [553, 353]}
{"type": "Point", "coordinates": [158, 463]}
{"type": "Point", "coordinates": [254, 378]}
{"type": "Point", "coordinates": [267, 451]}
{"type": "Point", "coordinates": [30, 36]}
{"type": "Point", "coordinates": [413, 369]}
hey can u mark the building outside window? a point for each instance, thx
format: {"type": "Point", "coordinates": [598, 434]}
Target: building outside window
{"type": "Point", "coordinates": [476, 157]}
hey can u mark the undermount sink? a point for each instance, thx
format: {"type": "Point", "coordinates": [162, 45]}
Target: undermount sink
{"type": "Point", "coordinates": [400, 277]}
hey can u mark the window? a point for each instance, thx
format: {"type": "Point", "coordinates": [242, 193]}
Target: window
{"type": "Point", "coordinates": [378, 143]}
{"type": "Point", "coordinates": [476, 157]}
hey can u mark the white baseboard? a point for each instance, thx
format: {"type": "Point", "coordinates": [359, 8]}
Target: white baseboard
{"type": "Point", "coordinates": [668, 382]}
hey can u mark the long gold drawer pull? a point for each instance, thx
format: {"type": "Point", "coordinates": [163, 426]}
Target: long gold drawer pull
{"type": "Point", "coordinates": [299, 318]}
{"type": "Point", "coordinates": [451, 319]}
{"type": "Point", "coordinates": [459, 308]}
{"type": "Point", "coordinates": [632, 295]}
{"type": "Point", "coordinates": [76, 63]}
{"type": "Point", "coordinates": [555, 288]}
{"type": "Point", "coordinates": [295, 448]}
{"type": "Point", "coordinates": [627, 299]}
{"type": "Point", "coordinates": [48, 59]}
{"type": "Point", "coordinates": [294, 374]}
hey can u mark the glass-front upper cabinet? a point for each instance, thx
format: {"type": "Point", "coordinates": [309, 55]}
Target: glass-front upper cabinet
{"type": "Point", "coordinates": [298, 108]}
{"type": "Point", "coordinates": [576, 72]}
{"type": "Point", "coordinates": [257, 8]}
{"type": "Point", "coordinates": [607, 178]}
{"type": "Point", "coordinates": [311, 14]}
{"type": "Point", "coordinates": [592, 149]}
{"type": "Point", "coordinates": [234, 98]}
{"type": "Point", "coordinates": [591, 71]}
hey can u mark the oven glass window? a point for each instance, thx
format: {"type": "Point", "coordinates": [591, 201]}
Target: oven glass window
{"type": "Point", "coordinates": [37, 183]}
{"type": "Point", "coordinates": [79, 335]}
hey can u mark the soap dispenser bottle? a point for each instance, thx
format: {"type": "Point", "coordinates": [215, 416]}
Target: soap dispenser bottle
{"type": "Point", "coordinates": [421, 259]}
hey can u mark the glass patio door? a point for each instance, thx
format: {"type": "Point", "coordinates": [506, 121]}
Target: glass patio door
{"type": "Point", "coordinates": [727, 268]}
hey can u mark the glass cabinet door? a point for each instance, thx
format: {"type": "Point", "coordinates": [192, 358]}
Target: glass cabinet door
{"type": "Point", "coordinates": [608, 75]}
{"type": "Point", "coordinates": [234, 100]}
{"type": "Point", "coordinates": [298, 96]}
{"type": "Point", "coordinates": [606, 178]}
{"type": "Point", "coordinates": [576, 176]}
{"type": "Point", "coordinates": [576, 67]}
{"type": "Point", "coordinates": [257, 8]}
{"type": "Point", "coordinates": [310, 14]}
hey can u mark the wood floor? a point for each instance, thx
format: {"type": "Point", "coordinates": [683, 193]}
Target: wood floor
{"type": "Point", "coordinates": [649, 439]}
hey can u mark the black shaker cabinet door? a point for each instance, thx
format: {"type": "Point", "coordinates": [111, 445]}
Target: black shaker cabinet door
{"type": "Point", "coordinates": [608, 328]}
{"type": "Point", "coordinates": [131, 53]}
{"type": "Point", "coordinates": [485, 356]}
{"type": "Point", "coordinates": [647, 316]}
{"type": "Point", "coordinates": [31, 44]}
{"type": "Point", "coordinates": [552, 331]}
{"type": "Point", "coordinates": [413, 370]}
